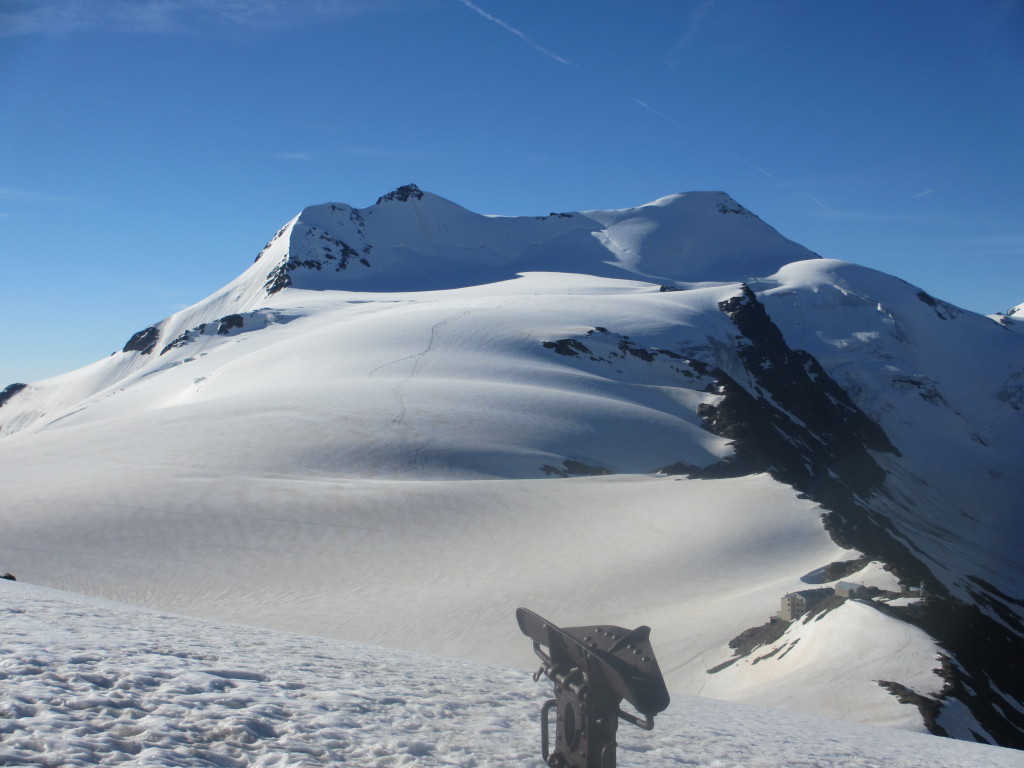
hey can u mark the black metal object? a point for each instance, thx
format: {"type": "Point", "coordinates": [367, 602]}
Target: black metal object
{"type": "Point", "coordinates": [593, 668]}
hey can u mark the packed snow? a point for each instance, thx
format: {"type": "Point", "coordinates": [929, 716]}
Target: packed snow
{"type": "Point", "coordinates": [86, 682]}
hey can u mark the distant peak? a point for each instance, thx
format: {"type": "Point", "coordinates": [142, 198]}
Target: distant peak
{"type": "Point", "coordinates": [402, 194]}
{"type": "Point", "coordinates": [412, 239]}
{"type": "Point", "coordinates": [714, 198]}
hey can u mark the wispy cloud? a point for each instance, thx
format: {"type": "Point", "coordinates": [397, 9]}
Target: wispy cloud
{"type": "Point", "coordinates": [749, 164]}
{"type": "Point", "coordinates": [518, 33]}
{"type": "Point", "coordinates": [659, 113]}
{"type": "Point", "coordinates": [19, 17]}
{"type": "Point", "coordinates": [824, 211]}
{"type": "Point", "coordinates": [931, 191]}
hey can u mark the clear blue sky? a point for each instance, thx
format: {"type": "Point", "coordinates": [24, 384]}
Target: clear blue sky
{"type": "Point", "coordinates": [149, 148]}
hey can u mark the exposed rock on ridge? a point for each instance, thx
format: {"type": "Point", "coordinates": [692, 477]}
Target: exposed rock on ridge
{"type": "Point", "coordinates": [805, 431]}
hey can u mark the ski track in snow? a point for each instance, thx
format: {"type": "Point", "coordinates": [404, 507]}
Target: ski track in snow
{"type": "Point", "coordinates": [417, 358]}
{"type": "Point", "coordinates": [86, 682]}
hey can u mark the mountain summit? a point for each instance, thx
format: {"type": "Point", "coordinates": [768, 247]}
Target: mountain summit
{"type": "Point", "coordinates": [415, 240]}
{"type": "Point", "coordinates": [403, 421]}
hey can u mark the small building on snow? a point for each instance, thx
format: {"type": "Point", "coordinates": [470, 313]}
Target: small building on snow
{"type": "Point", "coordinates": [796, 604]}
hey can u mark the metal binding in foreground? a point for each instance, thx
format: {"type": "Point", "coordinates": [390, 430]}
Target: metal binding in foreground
{"type": "Point", "coordinates": [593, 668]}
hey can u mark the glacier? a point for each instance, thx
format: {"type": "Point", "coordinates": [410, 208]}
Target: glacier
{"type": "Point", "coordinates": [403, 421]}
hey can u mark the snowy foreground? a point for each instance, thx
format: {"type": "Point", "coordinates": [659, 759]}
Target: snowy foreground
{"type": "Point", "coordinates": [88, 682]}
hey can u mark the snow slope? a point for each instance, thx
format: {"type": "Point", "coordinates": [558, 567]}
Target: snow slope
{"type": "Point", "coordinates": [91, 683]}
{"type": "Point", "coordinates": [327, 450]}
{"type": "Point", "coordinates": [407, 363]}
{"type": "Point", "coordinates": [830, 650]}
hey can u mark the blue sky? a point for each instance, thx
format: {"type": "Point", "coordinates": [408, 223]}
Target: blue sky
{"type": "Point", "coordinates": [149, 148]}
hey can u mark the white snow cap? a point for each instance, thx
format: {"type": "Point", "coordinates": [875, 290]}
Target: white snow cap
{"type": "Point", "coordinates": [414, 240]}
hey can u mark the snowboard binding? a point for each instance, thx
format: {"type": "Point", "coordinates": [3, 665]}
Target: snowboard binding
{"type": "Point", "coordinates": [593, 668]}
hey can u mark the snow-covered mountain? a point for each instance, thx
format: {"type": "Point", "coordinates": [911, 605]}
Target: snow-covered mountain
{"type": "Point", "coordinates": [1013, 319]}
{"type": "Point", "coordinates": [403, 421]}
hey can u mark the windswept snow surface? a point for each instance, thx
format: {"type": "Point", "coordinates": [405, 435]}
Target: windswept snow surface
{"type": "Point", "coordinates": [89, 683]}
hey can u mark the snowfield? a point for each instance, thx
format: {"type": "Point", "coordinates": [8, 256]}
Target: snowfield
{"type": "Point", "coordinates": [404, 421]}
{"type": "Point", "coordinates": [412, 564]}
{"type": "Point", "coordinates": [87, 682]}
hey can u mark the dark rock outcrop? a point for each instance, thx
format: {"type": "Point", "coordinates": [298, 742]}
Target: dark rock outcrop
{"type": "Point", "coordinates": [10, 391]}
{"type": "Point", "coordinates": [278, 279]}
{"type": "Point", "coordinates": [573, 468]}
{"type": "Point", "coordinates": [184, 338]}
{"type": "Point", "coordinates": [144, 341]}
{"type": "Point", "coordinates": [803, 429]}
{"type": "Point", "coordinates": [402, 194]}
{"type": "Point", "coordinates": [928, 707]}
{"type": "Point", "coordinates": [567, 347]}
{"type": "Point", "coordinates": [228, 322]}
